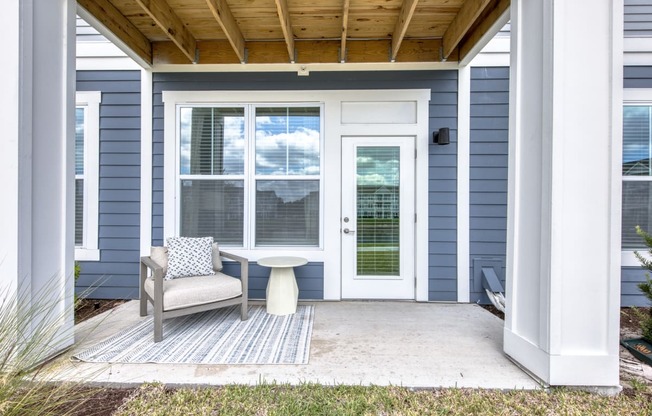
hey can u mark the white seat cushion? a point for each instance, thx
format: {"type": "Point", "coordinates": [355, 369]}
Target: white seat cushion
{"type": "Point", "coordinates": [196, 290]}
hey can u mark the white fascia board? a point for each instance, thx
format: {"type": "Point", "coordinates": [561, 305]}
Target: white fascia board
{"type": "Point", "coordinates": [107, 64]}
{"type": "Point", "coordinates": [98, 49]}
{"type": "Point", "coordinates": [104, 31]}
{"type": "Point", "coordinates": [486, 38]}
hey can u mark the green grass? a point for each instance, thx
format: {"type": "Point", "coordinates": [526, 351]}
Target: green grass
{"type": "Point", "coordinates": [312, 399]}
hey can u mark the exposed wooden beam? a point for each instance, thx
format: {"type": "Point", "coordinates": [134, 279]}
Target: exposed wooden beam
{"type": "Point", "coordinates": [224, 17]}
{"type": "Point", "coordinates": [345, 29]}
{"type": "Point", "coordinates": [308, 51]}
{"type": "Point", "coordinates": [500, 11]}
{"type": "Point", "coordinates": [402, 24]}
{"type": "Point", "coordinates": [106, 13]}
{"type": "Point", "coordinates": [463, 21]}
{"type": "Point", "coordinates": [286, 26]}
{"type": "Point", "coordinates": [168, 21]}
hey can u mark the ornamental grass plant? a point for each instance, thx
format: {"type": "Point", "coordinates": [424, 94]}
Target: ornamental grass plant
{"type": "Point", "coordinates": [32, 329]}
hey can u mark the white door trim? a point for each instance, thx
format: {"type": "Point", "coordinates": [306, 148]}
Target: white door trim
{"type": "Point", "coordinates": [378, 287]}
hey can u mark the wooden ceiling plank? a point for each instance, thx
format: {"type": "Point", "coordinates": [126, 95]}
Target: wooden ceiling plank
{"type": "Point", "coordinates": [168, 21]}
{"type": "Point", "coordinates": [120, 26]}
{"type": "Point", "coordinates": [402, 24]}
{"type": "Point", "coordinates": [463, 21]}
{"type": "Point", "coordinates": [286, 26]}
{"type": "Point", "coordinates": [345, 29]}
{"type": "Point", "coordinates": [224, 17]}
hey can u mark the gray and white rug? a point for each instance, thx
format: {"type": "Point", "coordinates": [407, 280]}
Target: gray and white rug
{"type": "Point", "coordinates": [213, 337]}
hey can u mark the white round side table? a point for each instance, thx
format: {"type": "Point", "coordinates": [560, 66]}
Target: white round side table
{"type": "Point", "coordinates": [282, 289]}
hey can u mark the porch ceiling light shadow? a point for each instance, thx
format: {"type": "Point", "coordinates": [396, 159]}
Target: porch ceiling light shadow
{"type": "Point", "coordinates": [157, 32]}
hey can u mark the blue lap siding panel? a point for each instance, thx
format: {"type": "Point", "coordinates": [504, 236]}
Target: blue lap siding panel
{"type": "Point", "coordinates": [638, 18]}
{"type": "Point", "coordinates": [489, 148]}
{"type": "Point", "coordinates": [119, 186]}
{"type": "Point", "coordinates": [443, 159]}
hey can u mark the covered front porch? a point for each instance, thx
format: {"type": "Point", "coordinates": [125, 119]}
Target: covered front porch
{"type": "Point", "coordinates": [420, 345]}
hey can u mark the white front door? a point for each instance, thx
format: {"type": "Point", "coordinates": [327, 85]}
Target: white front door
{"type": "Point", "coordinates": [377, 218]}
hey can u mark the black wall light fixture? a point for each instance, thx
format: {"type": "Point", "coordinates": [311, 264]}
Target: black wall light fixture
{"type": "Point", "coordinates": [442, 136]}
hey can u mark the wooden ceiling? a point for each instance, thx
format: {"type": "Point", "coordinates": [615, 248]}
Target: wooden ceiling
{"type": "Point", "coordinates": [296, 31]}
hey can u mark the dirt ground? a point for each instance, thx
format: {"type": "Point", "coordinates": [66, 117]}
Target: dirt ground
{"type": "Point", "coordinates": [88, 308]}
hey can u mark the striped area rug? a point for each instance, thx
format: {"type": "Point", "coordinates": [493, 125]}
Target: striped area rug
{"type": "Point", "coordinates": [213, 337]}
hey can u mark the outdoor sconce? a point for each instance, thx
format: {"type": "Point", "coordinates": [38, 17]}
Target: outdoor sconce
{"type": "Point", "coordinates": [442, 136]}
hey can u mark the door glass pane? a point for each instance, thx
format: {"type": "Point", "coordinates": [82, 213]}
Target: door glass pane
{"type": "Point", "coordinates": [287, 140]}
{"type": "Point", "coordinates": [213, 208]}
{"type": "Point", "coordinates": [212, 141]}
{"type": "Point", "coordinates": [287, 213]}
{"type": "Point", "coordinates": [377, 222]}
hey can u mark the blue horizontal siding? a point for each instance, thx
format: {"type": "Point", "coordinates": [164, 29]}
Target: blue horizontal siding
{"type": "Point", "coordinates": [638, 18]}
{"type": "Point", "coordinates": [310, 279]}
{"type": "Point", "coordinates": [442, 159]}
{"type": "Point", "coordinates": [488, 161]}
{"type": "Point", "coordinates": [116, 274]}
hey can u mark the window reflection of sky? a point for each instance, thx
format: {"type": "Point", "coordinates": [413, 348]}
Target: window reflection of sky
{"type": "Point", "coordinates": [233, 148]}
{"type": "Point", "coordinates": [377, 166]}
{"type": "Point", "coordinates": [287, 145]}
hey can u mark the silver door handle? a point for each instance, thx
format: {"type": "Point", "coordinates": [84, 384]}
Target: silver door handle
{"type": "Point", "coordinates": [347, 231]}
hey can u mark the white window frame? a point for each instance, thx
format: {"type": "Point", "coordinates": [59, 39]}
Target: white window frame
{"type": "Point", "coordinates": [90, 101]}
{"type": "Point", "coordinates": [632, 97]}
{"type": "Point", "coordinates": [174, 101]}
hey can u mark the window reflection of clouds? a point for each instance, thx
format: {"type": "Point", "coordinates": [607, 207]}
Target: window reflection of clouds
{"type": "Point", "coordinates": [233, 144]}
{"type": "Point", "coordinates": [287, 145]}
{"type": "Point", "coordinates": [377, 166]}
{"type": "Point", "coordinates": [288, 191]}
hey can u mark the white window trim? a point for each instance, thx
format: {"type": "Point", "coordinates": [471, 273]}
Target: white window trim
{"type": "Point", "coordinates": [634, 96]}
{"type": "Point", "coordinates": [248, 177]}
{"type": "Point", "coordinates": [89, 251]}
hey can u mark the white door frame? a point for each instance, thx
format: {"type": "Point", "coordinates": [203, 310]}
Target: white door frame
{"type": "Point", "coordinates": [378, 287]}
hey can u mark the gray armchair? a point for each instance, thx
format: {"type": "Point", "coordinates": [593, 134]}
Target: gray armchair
{"type": "Point", "coordinates": [187, 295]}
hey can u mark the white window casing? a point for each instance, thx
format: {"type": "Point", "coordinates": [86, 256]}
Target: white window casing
{"type": "Point", "coordinates": [90, 101]}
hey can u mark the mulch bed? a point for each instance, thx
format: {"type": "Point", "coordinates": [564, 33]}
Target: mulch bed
{"type": "Point", "coordinates": [88, 308]}
{"type": "Point", "coordinates": [102, 401]}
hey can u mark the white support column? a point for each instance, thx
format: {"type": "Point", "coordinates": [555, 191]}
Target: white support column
{"type": "Point", "coordinates": [36, 163]}
{"type": "Point", "coordinates": [563, 251]}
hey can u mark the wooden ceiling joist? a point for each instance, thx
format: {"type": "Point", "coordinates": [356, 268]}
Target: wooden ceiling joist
{"type": "Point", "coordinates": [168, 21]}
{"type": "Point", "coordinates": [286, 26]}
{"type": "Point", "coordinates": [120, 26]}
{"type": "Point", "coordinates": [224, 17]}
{"type": "Point", "coordinates": [460, 26]}
{"type": "Point", "coordinates": [402, 24]}
{"type": "Point", "coordinates": [345, 29]}
{"type": "Point", "coordinates": [481, 30]}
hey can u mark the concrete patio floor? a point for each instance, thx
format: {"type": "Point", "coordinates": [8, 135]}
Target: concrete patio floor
{"type": "Point", "coordinates": [420, 345]}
